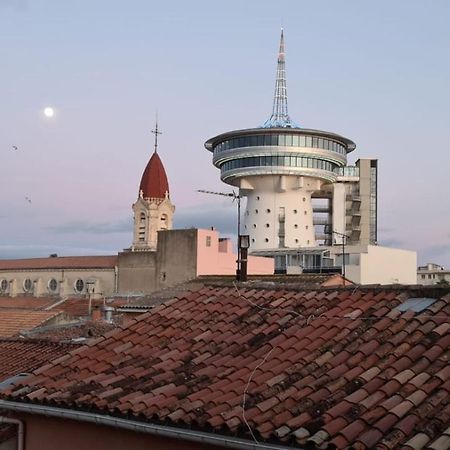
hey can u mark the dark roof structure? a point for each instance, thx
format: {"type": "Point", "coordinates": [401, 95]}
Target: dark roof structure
{"type": "Point", "coordinates": [60, 262]}
{"type": "Point", "coordinates": [154, 182]}
{"type": "Point", "coordinates": [360, 368]}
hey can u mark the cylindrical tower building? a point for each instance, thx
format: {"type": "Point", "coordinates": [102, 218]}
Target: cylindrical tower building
{"type": "Point", "coordinates": [279, 167]}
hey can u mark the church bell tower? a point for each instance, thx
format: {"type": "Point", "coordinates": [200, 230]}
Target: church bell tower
{"type": "Point", "coordinates": [153, 210]}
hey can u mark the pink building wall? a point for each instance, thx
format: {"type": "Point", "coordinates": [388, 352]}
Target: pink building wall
{"type": "Point", "coordinates": [216, 257]}
{"type": "Point", "coordinates": [49, 433]}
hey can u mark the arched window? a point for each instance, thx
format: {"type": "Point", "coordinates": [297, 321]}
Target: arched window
{"type": "Point", "coordinates": [163, 222]}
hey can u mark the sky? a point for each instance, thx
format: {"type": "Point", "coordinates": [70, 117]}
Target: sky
{"type": "Point", "coordinates": [375, 72]}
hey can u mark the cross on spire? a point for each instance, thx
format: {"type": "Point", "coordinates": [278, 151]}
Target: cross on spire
{"type": "Point", "coordinates": [156, 132]}
{"type": "Point", "coordinates": [280, 117]}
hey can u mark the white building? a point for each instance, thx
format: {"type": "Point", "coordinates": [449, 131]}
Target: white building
{"type": "Point", "coordinates": [432, 274]}
{"type": "Point", "coordinates": [303, 199]}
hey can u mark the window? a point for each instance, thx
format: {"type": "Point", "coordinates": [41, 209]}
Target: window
{"type": "Point", "coordinates": [254, 225]}
{"type": "Point", "coordinates": [253, 240]}
{"type": "Point", "coordinates": [267, 225]}
{"type": "Point", "coordinates": [3, 285]}
{"type": "Point", "coordinates": [27, 285]}
{"type": "Point", "coordinates": [423, 276]}
{"type": "Point", "coordinates": [257, 198]}
{"type": "Point", "coordinates": [306, 212]}
{"type": "Point", "coordinates": [52, 285]}
{"type": "Point", "coordinates": [79, 285]}
{"type": "Point", "coordinates": [142, 217]}
{"type": "Point", "coordinates": [268, 210]}
{"type": "Point", "coordinates": [266, 240]}
{"type": "Point", "coordinates": [306, 227]}
{"type": "Point", "coordinates": [163, 219]}
{"type": "Point", "coordinates": [295, 211]}
{"type": "Point", "coordinates": [208, 241]}
{"type": "Point", "coordinates": [304, 199]}
{"type": "Point", "coordinates": [296, 241]}
{"type": "Point", "coordinates": [256, 211]}
{"type": "Point", "coordinates": [295, 226]}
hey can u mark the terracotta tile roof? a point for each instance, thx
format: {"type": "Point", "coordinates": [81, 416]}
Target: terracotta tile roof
{"type": "Point", "coordinates": [60, 262]}
{"type": "Point", "coordinates": [27, 302]}
{"type": "Point", "coordinates": [13, 321]}
{"type": "Point", "coordinates": [298, 281]}
{"type": "Point", "coordinates": [69, 331]}
{"type": "Point", "coordinates": [320, 369]}
{"type": "Point", "coordinates": [25, 355]}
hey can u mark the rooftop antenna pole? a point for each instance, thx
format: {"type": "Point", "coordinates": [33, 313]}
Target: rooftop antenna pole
{"type": "Point", "coordinates": [236, 197]}
{"type": "Point", "coordinates": [156, 132]}
{"type": "Point", "coordinates": [344, 237]}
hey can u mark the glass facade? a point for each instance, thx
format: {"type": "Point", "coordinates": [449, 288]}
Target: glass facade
{"type": "Point", "coordinates": [280, 161]}
{"type": "Point", "coordinates": [281, 140]}
{"type": "Point", "coordinates": [348, 171]}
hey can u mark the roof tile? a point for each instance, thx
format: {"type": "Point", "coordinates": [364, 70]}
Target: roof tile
{"type": "Point", "coordinates": [337, 379]}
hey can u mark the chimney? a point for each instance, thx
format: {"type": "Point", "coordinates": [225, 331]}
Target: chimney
{"type": "Point", "coordinates": [96, 314]}
{"type": "Point", "coordinates": [108, 310]}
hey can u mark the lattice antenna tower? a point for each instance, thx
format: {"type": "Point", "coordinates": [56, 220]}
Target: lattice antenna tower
{"type": "Point", "coordinates": [280, 116]}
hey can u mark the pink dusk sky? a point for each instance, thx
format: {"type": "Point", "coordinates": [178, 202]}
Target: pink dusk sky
{"type": "Point", "coordinates": [375, 72]}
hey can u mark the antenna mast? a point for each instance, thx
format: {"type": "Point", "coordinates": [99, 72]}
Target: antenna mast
{"type": "Point", "coordinates": [280, 117]}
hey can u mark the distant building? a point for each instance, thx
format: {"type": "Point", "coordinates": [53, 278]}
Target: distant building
{"type": "Point", "coordinates": [303, 199]}
{"type": "Point", "coordinates": [433, 274]}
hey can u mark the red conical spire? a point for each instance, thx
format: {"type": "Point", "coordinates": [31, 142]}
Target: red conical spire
{"type": "Point", "coordinates": [154, 182]}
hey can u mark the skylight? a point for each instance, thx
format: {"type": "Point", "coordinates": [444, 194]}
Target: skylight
{"type": "Point", "coordinates": [416, 304]}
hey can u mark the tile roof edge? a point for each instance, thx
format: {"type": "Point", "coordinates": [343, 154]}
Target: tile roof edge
{"type": "Point", "coordinates": [143, 427]}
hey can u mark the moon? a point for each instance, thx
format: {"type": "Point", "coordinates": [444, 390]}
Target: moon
{"type": "Point", "coordinates": [49, 111]}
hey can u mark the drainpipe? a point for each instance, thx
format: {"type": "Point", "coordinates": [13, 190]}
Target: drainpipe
{"type": "Point", "coordinates": [20, 430]}
{"type": "Point", "coordinates": [116, 279]}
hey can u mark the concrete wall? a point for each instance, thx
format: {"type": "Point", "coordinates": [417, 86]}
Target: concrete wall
{"type": "Point", "coordinates": [383, 265]}
{"type": "Point", "coordinates": [103, 281]}
{"type": "Point", "coordinates": [136, 272]}
{"type": "Point", "coordinates": [55, 434]}
{"type": "Point", "coordinates": [177, 257]}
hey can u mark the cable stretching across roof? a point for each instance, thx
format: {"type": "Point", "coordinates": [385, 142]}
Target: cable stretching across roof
{"type": "Point", "coordinates": [280, 117]}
